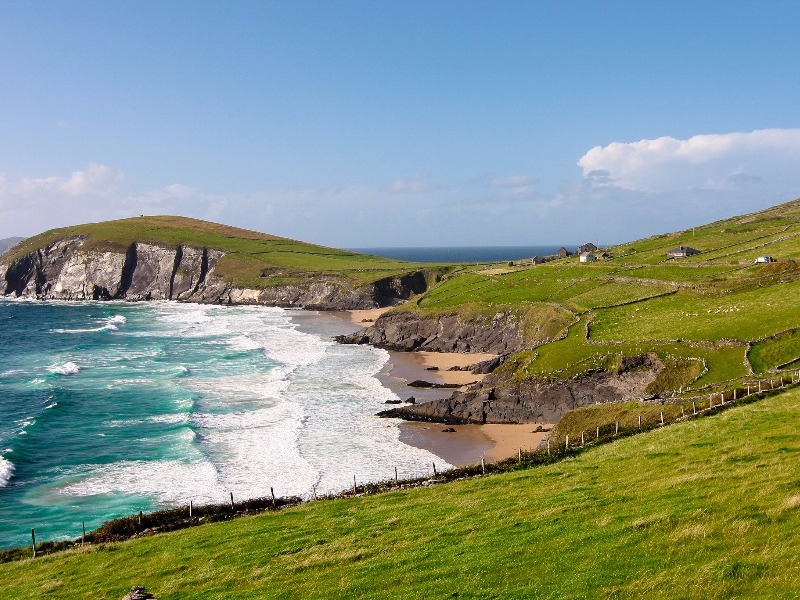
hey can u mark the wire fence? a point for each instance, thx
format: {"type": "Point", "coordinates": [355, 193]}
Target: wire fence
{"type": "Point", "coordinates": [551, 450]}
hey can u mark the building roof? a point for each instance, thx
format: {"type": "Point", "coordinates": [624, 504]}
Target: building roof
{"type": "Point", "coordinates": [685, 250]}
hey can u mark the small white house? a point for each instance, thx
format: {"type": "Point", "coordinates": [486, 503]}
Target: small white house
{"type": "Point", "coordinates": [586, 257]}
{"type": "Point", "coordinates": [682, 252]}
{"type": "Point", "coordinates": [765, 259]}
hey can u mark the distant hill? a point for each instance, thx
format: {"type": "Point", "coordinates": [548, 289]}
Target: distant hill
{"type": "Point", "coordinates": [7, 243]}
{"type": "Point", "coordinates": [178, 258]}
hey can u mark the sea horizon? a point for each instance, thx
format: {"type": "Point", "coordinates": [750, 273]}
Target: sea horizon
{"type": "Point", "coordinates": [463, 253]}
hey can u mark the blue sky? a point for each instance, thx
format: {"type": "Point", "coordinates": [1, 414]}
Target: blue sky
{"type": "Point", "coordinates": [399, 123]}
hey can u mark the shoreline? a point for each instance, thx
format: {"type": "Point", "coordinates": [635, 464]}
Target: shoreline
{"type": "Point", "coordinates": [468, 444]}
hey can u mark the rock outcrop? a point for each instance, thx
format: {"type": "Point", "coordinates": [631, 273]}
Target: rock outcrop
{"type": "Point", "coordinates": [499, 401]}
{"type": "Point", "coordinates": [70, 270]}
{"type": "Point", "coordinates": [409, 331]}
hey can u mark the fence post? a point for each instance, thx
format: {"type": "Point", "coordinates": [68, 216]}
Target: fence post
{"type": "Point", "coordinates": [694, 407]}
{"type": "Point", "coordinates": [722, 398]}
{"type": "Point", "coordinates": [232, 508]}
{"type": "Point", "coordinates": [548, 446]}
{"type": "Point", "coordinates": [519, 455]}
{"type": "Point", "coordinates": [272, 493]}
{"type": "Point", "coordinates": [314, 492]}
{"type": "Point", "coordinates": [616, 428]}
{"type": "Point", "coordinates": [140, 518]}
{"type": "Point", "coordinates": [566, 442]}
{"type": "Point", "coordinates": [83, 532]}
{"type": "Point", "coordinates": [640, 422]}
{"type": "Point", "coordinates": [483, 463]}
{"type": "Point", "coordinates": [190, 509]}
{"type": "Point", "coordinates": [662, 417]}
{"type": "Point", "coordinates": [396, 480]}
{"type": "Point", "coordinates": [582, 442]}
{"type": "Point", "coordinates": [33, 540]}
{"type": "Point", "coordinates": [734, 393]}
{"type": "Point", "coordinates": [354, 485]}
{"type": "Point", "coordinates": [683, 413]}
{"type": "Point", "coordinates": [434, 469]}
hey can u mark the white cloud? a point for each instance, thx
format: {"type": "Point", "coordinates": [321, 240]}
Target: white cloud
{"type": "Point", "coordinates": [94, 180]}
{"type": "Point", "coordinates": [415, 185]}
{"type": "Point", "coordinates": [516, 185]}
{"type": "Point", "coordinates": [702, 162]}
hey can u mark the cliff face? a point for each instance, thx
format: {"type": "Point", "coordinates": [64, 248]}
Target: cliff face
{"type": "Point", "coordinates": [498, 401]}
{"type": "Point", "coordinates": [406, 331]}
{"type": "Point", "coordinates": [65, 270]}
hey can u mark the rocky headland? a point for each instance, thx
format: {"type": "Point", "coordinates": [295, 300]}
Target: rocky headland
{"type": "Point", "coordinates": [67, 270]}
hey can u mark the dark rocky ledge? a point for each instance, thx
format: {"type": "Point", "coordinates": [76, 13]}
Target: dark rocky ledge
{"type": "Point", "coordinates": [496, 400]}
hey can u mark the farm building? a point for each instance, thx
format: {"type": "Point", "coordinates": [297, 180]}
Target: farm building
{"type": "Point", "coordinates": [586, 257]}
{"type": "Point", "coordinates": [682, 252]}
{"type": "Point", "coordinates": [587, 247]}
{"type": "Point", "coordinates": [563, 252]}
{"type": "Point", "coordinates": [765, 259]}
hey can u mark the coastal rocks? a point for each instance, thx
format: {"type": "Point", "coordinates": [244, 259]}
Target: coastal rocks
{"type": "Point", "coordinates": [409, 331]}
{"type": "Point", "coordinates": [67, 270]}
{"type": "Point", "coordinates": [70, 269]}
{"type": "Point", "coordinates": [497, 401]}
{"type": "Point", "coordinates": [138, 592]}
{"type": "Point", "coordinates": [419, 383]}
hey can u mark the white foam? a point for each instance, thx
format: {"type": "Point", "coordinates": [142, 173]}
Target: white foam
{"type": "Point", "coordinates": [69, 368]}
{"type": "Point", "coordinates": [109, 324]}
{"type": "Point", "coordinates": [6, 471]}
{"type": "Point", "coordinates": [168, 481]}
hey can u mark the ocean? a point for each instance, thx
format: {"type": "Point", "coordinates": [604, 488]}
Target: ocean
{"type": "Point", "coordinates": [110, 408]}
{"type": "Point", "coordinates": [468, 254]}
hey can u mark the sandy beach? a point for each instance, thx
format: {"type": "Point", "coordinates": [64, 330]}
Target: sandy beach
{"type": "Point", "coordinates": [366, 316]}
{"type": "Point", "coordinates": [469, 443]}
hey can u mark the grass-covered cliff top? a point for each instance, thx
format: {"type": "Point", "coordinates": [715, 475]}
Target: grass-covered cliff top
{"type": "Point", "coordinates": [249, 254]}
{"type": "Point", "coordinates": [703, 509]}
{"type": "Point", "coordinates": [714, 317]}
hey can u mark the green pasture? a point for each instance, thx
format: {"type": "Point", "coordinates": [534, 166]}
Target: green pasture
{"type": "Point", "coordinates": [749, 315]}
{"type": "Point", "coordinates": [703, 509]}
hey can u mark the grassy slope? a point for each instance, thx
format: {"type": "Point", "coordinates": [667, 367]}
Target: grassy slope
{"type": "Point", "coordinates": [248, 252]}
{"type": "Point", "coordinates": [641, 301]}
{"type": "Point", "coordinates": [708, 508]}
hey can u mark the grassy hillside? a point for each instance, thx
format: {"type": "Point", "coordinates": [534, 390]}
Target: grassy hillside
{"type": "Point", "coordinates": [702, 509]}
{"type": "Point", "coordinates": [716, 309]}
{"type": "Point", "coordinates": [249, 254]}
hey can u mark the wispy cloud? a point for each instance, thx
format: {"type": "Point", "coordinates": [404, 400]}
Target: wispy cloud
{"type": "Point", "coordinates": [94, 180]}
{"type": "Point", "coordinates": [414, 185]}
{"type": "Point", "coordinates": [516, 185]}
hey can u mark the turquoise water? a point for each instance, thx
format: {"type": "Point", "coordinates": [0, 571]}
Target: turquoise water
{"type": "Point", "coordinates": [111, 408]}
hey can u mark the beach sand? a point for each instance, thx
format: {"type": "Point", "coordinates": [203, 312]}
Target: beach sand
{"type": "Point", "coordinates": [469, 443]}
{"type": "Point", "coordinates": [364, 317]}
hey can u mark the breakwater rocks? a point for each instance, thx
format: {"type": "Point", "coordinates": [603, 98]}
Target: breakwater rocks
{"type": "Point", "coordinates": [407, 331]}
{"type": "Point", "coordinates": [496, 400]}
{"type": "Point", "coordinates": [70, 270]}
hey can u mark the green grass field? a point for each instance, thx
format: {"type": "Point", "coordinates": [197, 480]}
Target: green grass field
{"type": "Point", "coordinates": [706, 308]}
{"type": "Point", "coordinates": [702, 509]}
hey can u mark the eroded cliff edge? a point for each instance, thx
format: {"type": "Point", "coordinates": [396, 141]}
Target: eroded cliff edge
{"type": "Point", "coordinates": [500, 397]}
{"type": "Point", "coordinates": [67, 270]}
